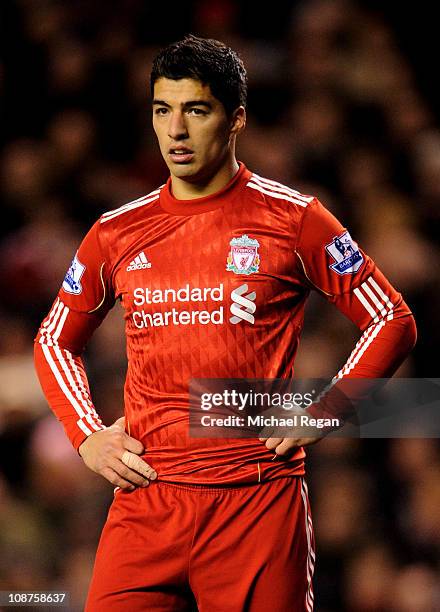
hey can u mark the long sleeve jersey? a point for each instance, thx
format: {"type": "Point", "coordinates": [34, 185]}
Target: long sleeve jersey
{"type": "Point", "coordinates": [213, 287]}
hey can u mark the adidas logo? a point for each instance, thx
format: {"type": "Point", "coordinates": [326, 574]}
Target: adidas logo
{"type": "Point", "coordinates": [139, 263]}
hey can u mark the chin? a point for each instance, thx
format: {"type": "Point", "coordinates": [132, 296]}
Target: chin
{"type": "Point", "coordinates": [184, 170]}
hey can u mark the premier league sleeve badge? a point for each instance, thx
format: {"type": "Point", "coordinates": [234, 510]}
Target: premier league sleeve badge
{"type": "Point", "coordinates": [347, 259]}
{"type": "Point", "coordinates": [72, 280]}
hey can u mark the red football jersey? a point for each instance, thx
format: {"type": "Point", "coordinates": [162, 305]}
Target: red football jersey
{"type": "Point", "coordinates": [180, 269]}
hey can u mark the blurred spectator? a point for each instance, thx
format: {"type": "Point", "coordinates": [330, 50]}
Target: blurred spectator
{"type": "Point", "coordinates": [416, 590]}
{"type": "Point", "coordinates": [337, 109]}
{"type": "Point", "coordinates": [369, 579]}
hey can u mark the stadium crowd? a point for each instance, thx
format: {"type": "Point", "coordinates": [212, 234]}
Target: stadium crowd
{"type": "Point", "coordinates": [337, 107]}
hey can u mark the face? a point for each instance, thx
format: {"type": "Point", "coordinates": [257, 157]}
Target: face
{"type": "Point", "coordinates": [195, 135]}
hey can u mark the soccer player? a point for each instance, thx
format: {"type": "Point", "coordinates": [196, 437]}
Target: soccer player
{"type": "Point", "coordinates": [213, 270]}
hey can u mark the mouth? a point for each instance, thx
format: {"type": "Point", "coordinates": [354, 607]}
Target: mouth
{"type": "Point", "coordinates": [180, 155]}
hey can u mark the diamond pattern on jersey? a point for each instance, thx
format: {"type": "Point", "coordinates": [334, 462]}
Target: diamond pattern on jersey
{"type": "Point", "coordinates": [162, 359]}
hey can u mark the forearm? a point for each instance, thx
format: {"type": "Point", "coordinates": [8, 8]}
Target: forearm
{"type": "Point", "coordinates": [63, 378]}
{"type": "Point", "coordinates": [382, 348]}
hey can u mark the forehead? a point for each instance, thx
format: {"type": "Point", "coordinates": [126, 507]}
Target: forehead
{"type": "Point", "coordinates": [182, 90]}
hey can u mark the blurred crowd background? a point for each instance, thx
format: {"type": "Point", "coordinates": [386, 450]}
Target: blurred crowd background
{"type": "Point", "coordinates": [343, 103]}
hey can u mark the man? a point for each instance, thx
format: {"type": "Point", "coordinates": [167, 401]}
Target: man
{"type": "Point", "coordinates": [222, 524]}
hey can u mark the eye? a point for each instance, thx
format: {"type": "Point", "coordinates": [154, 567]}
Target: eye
{"type": "Point", "coordinates": [196, 111]}
{"type": "Point", "coordinates": [160, 110]}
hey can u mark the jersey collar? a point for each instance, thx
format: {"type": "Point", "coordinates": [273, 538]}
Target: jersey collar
{"type": "Point", "coordinates": [200, 205]}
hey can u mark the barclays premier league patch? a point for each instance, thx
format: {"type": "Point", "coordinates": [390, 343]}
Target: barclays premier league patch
{"type": "Point", "coordinates": [72, 280]}
{"type": "Point", "coordinates": [345, 252]}
{"type": "Point", "coordinates": [243, 256]}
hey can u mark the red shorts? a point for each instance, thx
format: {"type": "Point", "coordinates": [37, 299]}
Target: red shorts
{"type": "Point", "coordinates": [174, 548]}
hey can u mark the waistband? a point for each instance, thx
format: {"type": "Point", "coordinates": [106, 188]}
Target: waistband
{"type": "Point", "coordinates": [207, 488]}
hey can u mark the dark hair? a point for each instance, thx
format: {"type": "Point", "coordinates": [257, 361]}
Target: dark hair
{"type": "Point", "coordinates": [209, 61]}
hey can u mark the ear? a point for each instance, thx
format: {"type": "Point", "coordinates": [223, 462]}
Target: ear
{"type": "Point", "coordinates": [238, 120]}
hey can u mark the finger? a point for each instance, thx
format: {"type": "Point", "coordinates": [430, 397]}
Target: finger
{"type": "Point", "coordinates": [286, 446]}
{"type": "Point", "coordinates": [133, 445]}
{"type": "Point", "coordinates": [124, 472]}
{"type": "Point", "coordinates": [266, 433]}
{"type": "Point", "coordinates": [134, 462]}
{"type": "Point", "coordinates": [272, 443]}
{"type": "Point", "coordinates": [117, 480]}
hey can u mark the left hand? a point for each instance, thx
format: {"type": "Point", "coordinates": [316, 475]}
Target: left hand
{"type": "Point", "coordinates": [286, 446]}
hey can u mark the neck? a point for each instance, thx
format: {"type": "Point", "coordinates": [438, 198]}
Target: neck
{"type": "Point", "coordinates": [185, 190]}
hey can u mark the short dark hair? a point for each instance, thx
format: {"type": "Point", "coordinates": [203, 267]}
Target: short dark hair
{"type": "Point", "coordinates": [209, 61]}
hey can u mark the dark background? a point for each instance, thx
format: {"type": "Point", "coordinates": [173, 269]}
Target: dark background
{"type": "Point", "coordinates": [344, 104]}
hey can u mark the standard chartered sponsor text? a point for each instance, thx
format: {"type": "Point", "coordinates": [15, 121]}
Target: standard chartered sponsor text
{"type": "Point", "coordinates": [177, 316]}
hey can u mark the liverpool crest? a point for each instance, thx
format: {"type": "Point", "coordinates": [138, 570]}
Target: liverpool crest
{"type": "Point", "coordinates": [243, 257]}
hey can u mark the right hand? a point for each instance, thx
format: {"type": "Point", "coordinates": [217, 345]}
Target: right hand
{"type": "Point", "coordinates": [112, 453]}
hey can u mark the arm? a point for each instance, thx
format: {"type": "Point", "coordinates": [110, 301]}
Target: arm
{"type": "Point", "coordinates": [82, 303]}
{"type": "Point", "coordinates": [331, 263]}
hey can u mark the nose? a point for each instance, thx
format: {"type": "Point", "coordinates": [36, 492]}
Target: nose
{"type": "Point", "coordinates": [177, 129]}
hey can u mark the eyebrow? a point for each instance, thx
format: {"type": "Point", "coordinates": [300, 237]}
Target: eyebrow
{"type": "Point", "coordinates": [185, 105]}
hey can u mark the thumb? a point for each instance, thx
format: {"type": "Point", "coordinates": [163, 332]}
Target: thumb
{"type": "Point", "coordinates": [129, 443]}
{"type": "Point", "coordinates": [119, 423]}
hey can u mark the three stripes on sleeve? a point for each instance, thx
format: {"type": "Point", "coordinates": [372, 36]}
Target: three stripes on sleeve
{"type": "Point", "coordinates": [68, 369]}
